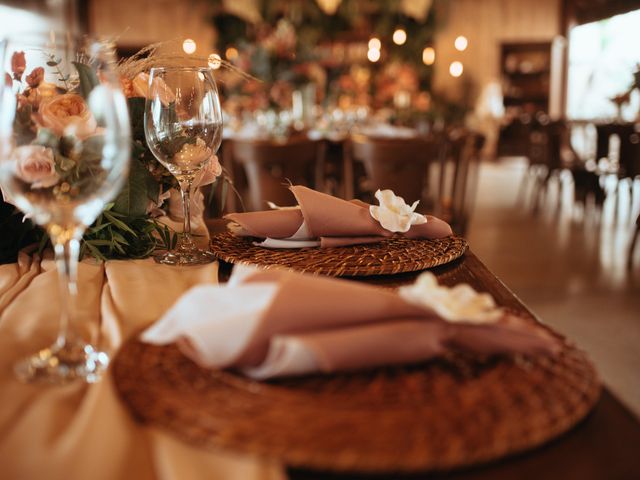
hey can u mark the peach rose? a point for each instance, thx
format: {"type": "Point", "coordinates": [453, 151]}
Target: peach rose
{"type": "Point", "coordinates": [127, 87]}
{"type": "Point", "coordinates": [46, 90]}
{"type": "Point", "coordinates": [35, 165]}
{"type": "Point", "coordinates": [67, 114]}
{"type": "Point", "coordinates": [140, 86]}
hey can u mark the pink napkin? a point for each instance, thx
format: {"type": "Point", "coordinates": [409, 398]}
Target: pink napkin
{"type": "Point", "coordinates": [331, 221]}
{"type": "Point", "coordinates": [279, 323]}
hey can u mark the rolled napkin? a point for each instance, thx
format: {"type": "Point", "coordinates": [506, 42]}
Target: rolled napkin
{"type": "Point", "coordinates": [280, 323]}
{"type": "Point", "coordinates": [326, 221]}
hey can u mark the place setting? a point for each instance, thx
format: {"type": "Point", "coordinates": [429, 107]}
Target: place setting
{"type": "Point", "coordinates": [299, 240]}
{"type": "Point", "coordinates": [330, 236]}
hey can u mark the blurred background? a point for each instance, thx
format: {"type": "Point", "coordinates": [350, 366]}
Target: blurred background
{"type": "Point", "coordinates": [515, 120]}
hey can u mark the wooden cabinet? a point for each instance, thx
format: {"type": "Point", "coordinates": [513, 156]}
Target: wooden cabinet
{"type": "Point", "coordinates": [532, 76]}
{"type": "Point", "coordinates": [526, 76]}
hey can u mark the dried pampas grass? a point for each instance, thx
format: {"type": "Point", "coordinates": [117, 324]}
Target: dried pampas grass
{"type": "Point", "coordinates": [168, 54]}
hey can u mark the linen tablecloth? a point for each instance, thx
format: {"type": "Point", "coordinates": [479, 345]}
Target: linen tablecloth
{"type": "Point", "coordinates": [83, 431]}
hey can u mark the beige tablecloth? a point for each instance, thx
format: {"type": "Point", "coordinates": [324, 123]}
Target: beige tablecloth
{"type": "Point", "coordinates": [84, 431]}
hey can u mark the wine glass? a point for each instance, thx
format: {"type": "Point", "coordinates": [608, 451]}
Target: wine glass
{"type": "Point", "coordinates": [64, 153]}
{"type": "Point", "coordinates": [183, 129]}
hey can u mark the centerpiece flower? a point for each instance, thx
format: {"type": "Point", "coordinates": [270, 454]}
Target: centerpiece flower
{"type": "Point", "coordinates": [57, 134]}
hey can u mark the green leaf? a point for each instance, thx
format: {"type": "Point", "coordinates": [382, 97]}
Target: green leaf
{"type": "Point", "coordinates": [118, 223]}
{"type": "Point", "coordinates": [88, 78]}
{"type": "Point", "coordinates": [94, 251]}
{"type": "Point", "coordinates": [134, 196]}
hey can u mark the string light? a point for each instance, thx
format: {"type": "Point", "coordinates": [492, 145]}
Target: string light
{"type": "Point", "coordinates": [214, 61]}
{"type": "Point", "coordinates": [461, 43]}
{"type": "Point", "coordinates": [231, 53]}
{"type": "Point", "coordinates": [428, 56]}
{"type": "Point", "coordinates": [456, 68]}
{"type": "Point", "coordinates": [399, 36]}
{"type": "Point", "coordinates": [189, 46]}
{"type": "Point", "coordinates": [375, 43]}
{"type": "Point", "coordinates": [373, 55]}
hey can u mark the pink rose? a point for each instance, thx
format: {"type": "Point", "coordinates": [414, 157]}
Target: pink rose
{"type": "Point", "coordinates": [67, 114]}
{"type": "Point", "coordinates": [140, 86]}
{"type": "Point", "coordinates": [34, 164]}
{"type": "Point", "coordinates": [209, 173]}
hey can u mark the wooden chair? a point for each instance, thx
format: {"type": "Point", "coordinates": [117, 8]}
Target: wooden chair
{"type": "Point", "coordinates": [269, 166]}
{"type": "Point", "coordinates": [554, 145]}
{"type": "Point", "coordinates": [401, 165]}
{"type": "Point", "coordinates": [458, 178]}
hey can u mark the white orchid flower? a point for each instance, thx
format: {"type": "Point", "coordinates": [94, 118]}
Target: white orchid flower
{"type": "Point", "coordinates": [394, 214]}
{"type": "Point", "coordinates": [459, 304]}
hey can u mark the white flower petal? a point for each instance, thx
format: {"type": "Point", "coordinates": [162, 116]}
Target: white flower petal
{"type": "Point", "coordinates": [458, 304]}
{"type": "Point", "coordinates": [394, 214]}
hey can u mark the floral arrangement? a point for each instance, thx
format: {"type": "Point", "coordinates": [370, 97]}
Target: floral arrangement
{"type": "Point", "coordinates": [277, 58]}
{"type": "Point", "coordinates": [46, 114]}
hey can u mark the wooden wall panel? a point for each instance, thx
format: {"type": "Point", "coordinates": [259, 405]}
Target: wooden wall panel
{"type": "Point", "coordinates": [141, 22]}
{"type": "Point", "coordinates": [487, 23]}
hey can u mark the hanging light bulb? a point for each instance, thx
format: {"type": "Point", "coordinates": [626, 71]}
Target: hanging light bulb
{"type": "Point", "coordinates": [428, 56]}
{"type": "Point", "coordinates": [375, 43]}
{"type": "Point", "coordinates": [461, 43]}
{"type": "Point", "coordinates": [456, 68]}
{"type": "Point", "coordinates": [214, 61]}
{"type": "Point", "coordinates": [373, 55]}
{"type": "Point", "coordinates": [329, 7]}
{"type": "Point", "coordinates": [189, 46]}
{"type": "Point", "coordinates": [399, 36]}
{"type": "Point", "coordinates": [231, 53]}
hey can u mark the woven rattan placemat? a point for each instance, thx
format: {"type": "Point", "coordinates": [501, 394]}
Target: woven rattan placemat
{"type": "Point", "coordinates": [445, 414]}
{"type": "Point", "coordinates": [390, 256]}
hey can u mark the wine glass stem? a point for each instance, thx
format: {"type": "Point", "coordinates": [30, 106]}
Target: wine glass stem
{"type": "Point", "coordinates": [186, 242]}
{"type": "Point", "coordinates": [67, 250]}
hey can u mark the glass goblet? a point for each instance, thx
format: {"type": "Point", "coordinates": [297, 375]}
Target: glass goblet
{"type": "Point", "coordinates": [64, 153]}
{"type": "Point", "coordinates": [183, 129]}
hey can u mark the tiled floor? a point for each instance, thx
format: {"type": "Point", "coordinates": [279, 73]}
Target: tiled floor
{"type": "Point", "coordinates": [569, 268]}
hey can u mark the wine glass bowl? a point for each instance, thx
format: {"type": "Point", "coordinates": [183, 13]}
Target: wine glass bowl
{"type": "Point", "coordinates": [64, 131]}
{"type": "Point", "coordinates": [183, 129]}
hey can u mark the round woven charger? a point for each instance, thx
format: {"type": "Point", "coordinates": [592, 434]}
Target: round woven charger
{"type": "Point", "coordinates": [390, 256]}
{"type": "Point", "coordinates": [443, 414]}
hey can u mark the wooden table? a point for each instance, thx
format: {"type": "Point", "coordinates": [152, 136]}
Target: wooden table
{"type": "Point", "coordinates": [606, 445]}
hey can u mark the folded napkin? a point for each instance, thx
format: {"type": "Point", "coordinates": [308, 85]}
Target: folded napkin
{"type": "Point", "coordinates": [326, 221]}
{"type": "Point", "coordinates": [281, 323]}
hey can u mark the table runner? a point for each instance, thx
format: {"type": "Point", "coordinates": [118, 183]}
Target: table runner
{"type": "Point", "coordinates": [83, 431]}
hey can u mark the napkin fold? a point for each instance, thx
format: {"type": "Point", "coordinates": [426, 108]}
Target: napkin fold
{"type": "Point", "coordinates": [280, 323]}
{"type": "Point", "coordinates": [326, 221]}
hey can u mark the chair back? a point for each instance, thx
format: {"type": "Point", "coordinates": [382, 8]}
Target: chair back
{"type": "Point", "coordinates": [269, 166]}
{"type": "Point", "coordinates": [458, 178]}
{"type": "Point", "coordinates": [400, 165]}
{"type": "Point", "coordinates": [629, 151]}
